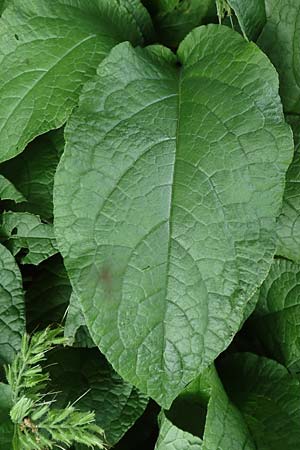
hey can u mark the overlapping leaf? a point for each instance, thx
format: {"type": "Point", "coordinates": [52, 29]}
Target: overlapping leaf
{"type": "Point", "coordinates": [172, 227]}
{"type": "Point", "coordinates": [251, 16]}
{"type": "Point", "coordinates": [32, 172]}
{"type": "Point", "coordinates": [276, 321]}
{"type": "Point", "coordinates": [280, 41]}
{"type": "Point", "coordinates": [12, 320]}
{"type": "Point", "coordinates": [288, 229]}
{"type": "Point", "coordinates": [117, 404]}
{"type": "Point", "coordinates": [75, 327]}
{"type": "Point", "coordinates": [25, 231]}
{"type": "Point", "coordinates": [268, 397]}
{"type": "Point", "coordinates": [48, 49]}
{"type": "Point", "coordinates": [9, 192]}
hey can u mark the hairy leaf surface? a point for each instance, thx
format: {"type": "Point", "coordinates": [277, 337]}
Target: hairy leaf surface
{"type": "Point", "coordinates": [48, 49]}
{"type": "Point", "coordinates": [25, 231]}
{"type": "Point", "coordinates": [268, 397]}
{"type": "Point", "coordinates": [280, 40]}
{"type": "Point", "coordinates": [172, 226]}
{"type": "Point", "coordinates": [117, 404]}
{"type": "Point", "coordinates": [12, 322]}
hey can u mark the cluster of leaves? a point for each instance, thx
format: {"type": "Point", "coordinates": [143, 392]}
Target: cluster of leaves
{"type": "Point", "coordinates": [150, 204]}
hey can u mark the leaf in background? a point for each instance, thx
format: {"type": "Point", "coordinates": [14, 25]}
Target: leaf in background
{"type": "Point", "coordinates": [48, 294]}
{"type": "Point", "coordinates": [204, 416]}
{"type": "Point", "coordinates": [174, 19]}
{"type": "Point", "coordinates": [280, 40]}
{"type": "Point", "coordinates": [268, 397]}
{"type": "Point", "coordinates": [48, 49]}
{"type": "Point", "coordinates": [117, 404]}
{"type": "Point", "coordinates": [9, 192]}
{"type": "Point", "coordinates": [75, 327]}
{"type": "Point", "coordinates": [172, 226]}
{"type": "Point", "coordinates": [25, 231]}
{"type": "Point", "coordinates": [173, 438]}
{"type": "Point", "coordinates": [12, 322]}
{"type": "Point", "coordinates": [6, 425]}
{"type": "Point", "coordinates": [288, 229]}
{"type": "Point", "coordinates": [32, 172]}
{"type": "Point", "coordinates": [276, 322]}
{"type": "Point", "coordinates": [251, 16]}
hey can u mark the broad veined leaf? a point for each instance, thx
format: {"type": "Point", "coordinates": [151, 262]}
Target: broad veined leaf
{"type": "Point", "coordinates": [48, 49]}
{"type": "Point", "coordinates": [251, 16]}
{"type": "Point", "coordinates": [9, 192]}
{"type": "Point", "coordinates": [204, 416]}
{"type": "Point", "coordinates": [172, 226]}
{"type": "Point", "coordinates": [268, 397]}
{"type": "Point", "coordinates": [25, 231]}
{"type": "Point", "coordinates": [280, 40]}
{"type": "Point", "coordinates": [12, 323]}
{"type": "Point", "coordinates": [32, 172]}
{"type": "Point", "coordinates": [276, 321]}
{"type": "Point", "coordinates": [47, 294]}
{"type": "Point", "coordinates": [75, 326]}
{"type": "Point", "coordinates": [174, 19]}
{"type": "Point", "coordinates": [117, 404]}
{"type": "Point", "coordinates": [6, 425]}
{"type": "Point", "coordinates": [288, 229]}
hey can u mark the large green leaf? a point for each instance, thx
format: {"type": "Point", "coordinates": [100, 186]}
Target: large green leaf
{"type": "Point", "coordinates": [32, 172]}
{"type": "Point", "coordinates": [9, 192]}
{"type": "Point", "coordinates": [25, 231]}
{"type": "Point", "coordinates": [172, 226]}
{"type": "Point", "coordinates": [6, 425]}
{"type": "Point", "coordinates": [48, 49]}
{"type": "Point", "coordinates": [268, 397]}
{"type": "Point", "coordinates": [288, 229]}
{"type": "Point", "coordinates": [280, 40]}
{"type": "Point", "coordinates": [12, 323]}
{"type": "Point", "coordinates": [276, 321]}
{"type": "Point", "coordinates": [251, 16]}
{"type": "Point", "coordinates": [117, 404]}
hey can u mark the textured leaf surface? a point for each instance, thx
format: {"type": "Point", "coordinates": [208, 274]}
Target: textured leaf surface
{"type": "Point", "coordinates": [251, 16]}
{"type": "Point", "coordinates": [12, 321]}
{"type": "Point", "coordinates": [24, 231]}
{"type": "Point", "coordinates": [48, 49]}
{"type": "Point", "coordinates": [47, 294]}
{"type": "Point", "coordinates": [9, 192]}
{"type": "Point", "coordinates": [172, 227]}
{"type": "Point", "coordinates": [276, 321]}
{"type": "Point", "coordinates": [75, 327]}
{"type": "Point", "coordinates": [116, 403]}
{"type": "Point", "coordinates": [268, 398]}
{"type": "Point", "coordinates": [280, 40]}
{"type": "Point", "coordinates": [288, 229]}
{"type": "Point", "coordinates": [32, 172]}
{"type": "Point", "coordinates": [6, 425]}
